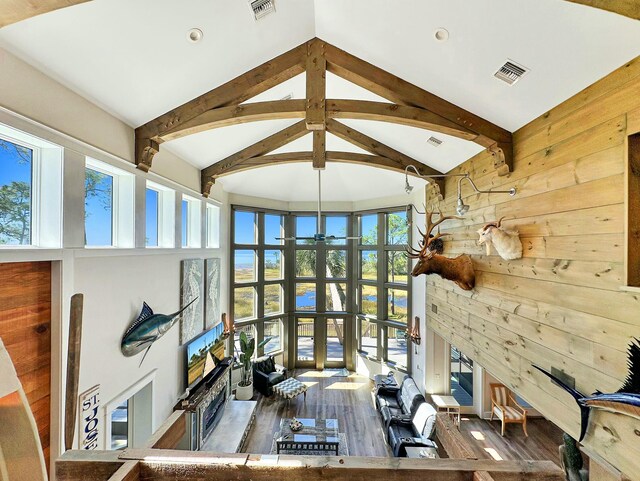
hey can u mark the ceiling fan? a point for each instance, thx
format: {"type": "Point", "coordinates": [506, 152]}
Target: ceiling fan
{"type": "Point", "coordinates": [318, 236]}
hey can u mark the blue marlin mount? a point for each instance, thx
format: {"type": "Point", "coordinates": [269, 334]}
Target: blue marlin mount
{"type": "Point", "coordinates": [624, 401]}
{"type": "Point", "coordinates": [147, 329]}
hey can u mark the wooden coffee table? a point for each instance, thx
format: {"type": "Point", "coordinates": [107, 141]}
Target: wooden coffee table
{"type": "Point", "coordinates": [316, 435]}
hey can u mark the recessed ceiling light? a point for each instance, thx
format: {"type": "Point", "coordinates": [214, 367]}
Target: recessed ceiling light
{"type": "Point", "coordinates": [194, 35]}
{"type": "Point", "coordinates": [441, 34]}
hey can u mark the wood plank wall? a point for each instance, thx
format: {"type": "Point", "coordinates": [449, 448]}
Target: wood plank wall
{"type": "Point", "coordinates": [561, 304]}
{"type": "Point", "coordinates": [25, 329]}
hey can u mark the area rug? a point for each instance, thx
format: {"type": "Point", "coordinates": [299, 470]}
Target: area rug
{"type": "Point", "coordinates": [341, 372]}
{"type": "Point", "coordinates": [343, 449]}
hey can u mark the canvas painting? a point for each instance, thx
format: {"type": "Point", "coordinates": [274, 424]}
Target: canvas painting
{"type": "Point", "coordinates": [212, 293]}
{"type": "Point", "coordinates": [192, 321]}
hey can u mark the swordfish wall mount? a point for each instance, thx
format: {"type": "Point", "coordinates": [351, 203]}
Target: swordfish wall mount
{"type": "Point", "coordinates": [147, 329]}
{"type": "Point", "coordinates": [624, 401]}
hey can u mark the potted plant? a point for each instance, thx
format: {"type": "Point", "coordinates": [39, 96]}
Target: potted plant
{"type": "Point", "coordinates": [244, 391]}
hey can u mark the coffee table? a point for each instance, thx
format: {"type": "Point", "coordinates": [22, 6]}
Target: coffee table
{"type": "Point", "coordinates": [315, 435]}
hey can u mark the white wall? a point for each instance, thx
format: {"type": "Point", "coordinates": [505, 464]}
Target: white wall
{"type": "Point", "coordinates": [114, 282]}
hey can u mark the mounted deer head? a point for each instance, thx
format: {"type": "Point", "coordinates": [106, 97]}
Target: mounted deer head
{"type": "Point", "coordinates": [506, 242]}
{"type": "Point", "coordinates": [459, 269]}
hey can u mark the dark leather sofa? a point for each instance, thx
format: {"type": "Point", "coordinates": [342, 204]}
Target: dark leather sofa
{"type": "Point", "coordinates": [416, 431]}
{"type": "Point", "coordinates": [408, 419]}
{"type": "Point", "coordinates": [266, 374]}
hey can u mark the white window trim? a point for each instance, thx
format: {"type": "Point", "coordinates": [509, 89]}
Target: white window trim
{"type": "Point", "coordinates": [122, 208]}
{"type": "Point", "coordinates": [46, 217]}
{"type": "Point", "coordinates": [212, 225]}
{"type": "Point", "coordinates": [166, 215]}
{"type": "Point", "coordinates": [194, 221]}
{"type": "Point", "coordinates": [122, 397]}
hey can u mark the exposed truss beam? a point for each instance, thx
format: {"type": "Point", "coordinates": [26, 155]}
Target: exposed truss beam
{"type": "Point", "coordinates": [236, 91]}
{"type": "Point", "coordinates": [262, 147]}
{"type": "Point", "coordinates": [378, 148]}
{"type": "Point", "coordinates": [627, 8]}
{"type": "Point", "coordinates": [238, 114]}
{"type": "Point", "coordinates": [13, 11]}
{"type": "Point", "coordinates": [397, 90]}
{"type": "Point", "coordinates": [335, 108]}
{"type": "Point", "coordinates": [316, 85]}
{"type": "Point", "coordinates": [330, 156]}
{"type": "Point", "coordinates": [319, 149]}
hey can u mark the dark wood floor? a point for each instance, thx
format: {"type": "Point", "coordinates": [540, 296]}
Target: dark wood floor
{"type": "Point", "coordinates": [347, 399]}
{"type": "Point", "coordinates": [485, 439]}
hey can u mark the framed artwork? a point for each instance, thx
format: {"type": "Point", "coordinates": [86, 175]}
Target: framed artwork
{"type": "Point", "coordinates": [192, 321]}
{"type": "Point", "coordinates": [212, 311]}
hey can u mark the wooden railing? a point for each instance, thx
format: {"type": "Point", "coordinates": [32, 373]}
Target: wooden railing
{"type": "Point", "coordinates": [160, 461]}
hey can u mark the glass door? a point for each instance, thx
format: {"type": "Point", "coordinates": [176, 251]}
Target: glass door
{"type": "Point", "coordinates": [334, 354]}
{"type": "Point", "coordinates": [305, 342]}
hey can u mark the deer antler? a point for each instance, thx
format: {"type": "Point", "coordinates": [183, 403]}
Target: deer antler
{"type": "Point", "coordinates": [427, 240]}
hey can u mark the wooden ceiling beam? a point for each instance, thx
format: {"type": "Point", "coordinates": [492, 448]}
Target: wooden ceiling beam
{"type": "Point", "coordinates": [13, 11]}
{"type": "Point", "coordinates": [335, 108]}
{"type": "Point", "coordinates": [238, 114]}
{"type": "Point", "coordinates": [397, 114]}
{"type": "Point", "coordinates": [494, 138]}
{"type": "Point", "coordinates": [262, 147]}
{"type": "Point", "coordinates": [316, 85]}
{"type": "Point", "coordinates": [626, 8]}
{"type": "Point", "coordinates": [319, 149]}
{"type": "Point", "coordinates": [371, 145]}
{"type": "Point", "coordinates": [330, 156]}
{"type": "Point", "coordinates": [236, 91]}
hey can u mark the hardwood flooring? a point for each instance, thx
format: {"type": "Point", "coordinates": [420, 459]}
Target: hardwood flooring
{"type": "Point", "coordinates": [485, 439]}
{"type": "Point", "coordinates": [347, 399]}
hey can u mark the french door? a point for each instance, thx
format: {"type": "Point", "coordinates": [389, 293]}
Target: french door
{"type": "Point", "coordinates": [320, 341]}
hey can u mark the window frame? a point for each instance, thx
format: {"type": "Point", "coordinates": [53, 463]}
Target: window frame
{"type": "Point", "coordinates": [193, 222]}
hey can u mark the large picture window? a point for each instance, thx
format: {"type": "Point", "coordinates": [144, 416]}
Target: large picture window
{"type": "Point", "coordinates": [258, 276]}
{"type": "Point", "coordinates": [383, 286]}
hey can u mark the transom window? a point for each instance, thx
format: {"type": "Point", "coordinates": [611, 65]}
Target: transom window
{"type": "Point", "coordinates": [16, 199]}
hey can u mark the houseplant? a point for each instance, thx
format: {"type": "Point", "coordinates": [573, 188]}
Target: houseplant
{"type": "Point", "coordinates": [244, 391]}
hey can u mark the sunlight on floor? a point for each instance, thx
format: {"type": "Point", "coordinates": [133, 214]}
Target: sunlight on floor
{"type": "Point", "coordinates": [477, 435]}
{"type": "Point", "coordinates": [314, 374]}
{"type": "Point", "coordinates": [309, 383]}
{"type": "Point", "coordinates": [494, 454]}
{"type": "Point", "coordinates": [347, 386]}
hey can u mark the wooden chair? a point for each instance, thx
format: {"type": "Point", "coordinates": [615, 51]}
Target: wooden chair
{"type": "Point", "coordinates": [506, 408]}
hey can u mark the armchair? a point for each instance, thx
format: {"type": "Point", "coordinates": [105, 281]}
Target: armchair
{"type": "Point", "coordinates": [506, 408]}
{"type": "Point", "coordinates": [266, 374]}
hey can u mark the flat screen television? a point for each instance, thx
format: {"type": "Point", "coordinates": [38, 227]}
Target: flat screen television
{"type": "Point", "coordinates": [204, 353]}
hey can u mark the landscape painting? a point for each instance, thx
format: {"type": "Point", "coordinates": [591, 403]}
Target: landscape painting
{"type": "Point", "coordinates": [192, 321]}
{"type": "Point", "coordinates": [212, 314]}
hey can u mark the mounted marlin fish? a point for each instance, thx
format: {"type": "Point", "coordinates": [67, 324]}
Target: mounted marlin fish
{"type": "Point", "coordinates": [147, 329]}
{"type": "Point", "coordinates": [625, 401]}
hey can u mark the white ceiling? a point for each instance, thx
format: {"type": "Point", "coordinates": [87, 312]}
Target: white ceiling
{"type": "Point", "coordinates": [132, 58]}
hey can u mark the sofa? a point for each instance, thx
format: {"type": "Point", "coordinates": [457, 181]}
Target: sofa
{"type": "Point", "coordinates": [407, 417]}
{"type": "Point", "coordinates": [266, 374]}
{"type": "Point", "coordinates": [416, 431]}
{"type": "Point", "coordinates": [398, 401]}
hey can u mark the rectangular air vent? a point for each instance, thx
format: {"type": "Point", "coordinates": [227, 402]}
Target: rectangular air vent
{"type": "Point", "coordinates": [510, 72]}
{"type": "Point", "coordinates": [262, 8]}
{"type": "Point", "coordinates": [287, 97]}
{"type": "Point", "coordinates": [434, 141]}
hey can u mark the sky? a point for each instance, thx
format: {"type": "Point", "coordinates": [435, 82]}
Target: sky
{"type": "Point", "coordinates": [98, 224]}
{"type": "Point", "coordinates": [152, 217]}
{"type": "Point", "coordinates": [13, 169]}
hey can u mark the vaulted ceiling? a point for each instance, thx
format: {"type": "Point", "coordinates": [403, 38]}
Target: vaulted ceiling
{"type": "Point", "coordinates": [132, 58]}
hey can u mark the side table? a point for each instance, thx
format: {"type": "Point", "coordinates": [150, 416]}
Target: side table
{"type": "Point", "coordinates": [449, 405]}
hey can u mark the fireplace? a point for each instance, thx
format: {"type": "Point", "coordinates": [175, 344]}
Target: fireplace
{"type": "Point", "coordinates": [205, 405]}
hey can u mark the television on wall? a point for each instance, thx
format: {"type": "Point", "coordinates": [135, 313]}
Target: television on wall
{"type": "Point", "coordinates": [204, 353]}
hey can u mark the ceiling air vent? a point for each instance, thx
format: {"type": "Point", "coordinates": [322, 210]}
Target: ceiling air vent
{"type": "Point", "coordinates": [262, 8]}
{"type": "Point", "coordinates": [434, 141]}
{"type": "Point", "coordinates": [287, 97]}
{"type": "Point", "coordinates": [510, 72]}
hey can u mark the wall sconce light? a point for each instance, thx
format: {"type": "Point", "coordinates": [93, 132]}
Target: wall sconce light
{"type": "Point", "coordinates": [461, 208]}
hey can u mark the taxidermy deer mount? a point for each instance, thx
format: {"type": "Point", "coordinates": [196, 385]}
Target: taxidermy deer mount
{"type": "Point", "coordinates": [459, 269]}
{"type": "Point", "coordinates": [506, 242]}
